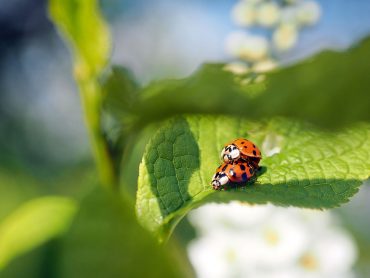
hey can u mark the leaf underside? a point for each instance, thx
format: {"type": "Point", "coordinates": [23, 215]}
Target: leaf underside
{"type": "Point", "coordinates": [314, 168]}
{"type": "Point", "coordinates": [329, 89]}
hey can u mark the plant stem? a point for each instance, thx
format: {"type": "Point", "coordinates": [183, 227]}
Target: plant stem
{"type": "Point", "coordinates": [91, 102]}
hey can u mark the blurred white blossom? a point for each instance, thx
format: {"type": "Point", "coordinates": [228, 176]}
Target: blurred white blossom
{"type": "Point", "coordinates": [264, 66]}
{"type": "Point", "coordinates": [308, 13]}
{"type": "Point", "coordinates": [268, 14]}
{"type": "Point", "coordinates": [238, 240]}
{"type": "Point", "coordinates": [253, 1]}
{"type": "Point", "coordinates": [237, 68]}
{"type": "Point", "coordinates": [246, 46]}
{"type": "Point", "coordinates": [282, 21]}
{"type": "Point", "coordinates": [285, 37]}
{"type": "Point", "coordinates": [244, 13]}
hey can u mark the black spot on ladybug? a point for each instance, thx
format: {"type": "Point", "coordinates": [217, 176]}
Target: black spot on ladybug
{"type": "Point", "coordinates": [242, 142]}
{"type": "Point", "coordinates": [242, 167]}
{"type": "Point", "coordinates": [244, 177]}
{"type": "Point", "coordinates": [224, 168]}
{"type": "Point", "coordinates": [254, 152]}
{"type": "Point", "coordinates": [254, 145]}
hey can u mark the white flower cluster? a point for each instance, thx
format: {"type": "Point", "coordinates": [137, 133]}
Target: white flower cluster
{"type": "Point", "coordinates": [238, 240]}
{"type": "Point", "coordinates": [281, 20]}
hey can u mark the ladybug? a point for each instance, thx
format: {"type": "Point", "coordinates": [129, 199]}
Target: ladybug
{"type": "Point", "coordinates": [240, 171]}
{"type": "Point", "coordinates": [241, 149]}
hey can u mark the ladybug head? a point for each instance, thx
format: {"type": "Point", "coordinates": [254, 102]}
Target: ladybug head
{"type": "Point", "coordinates": [218, 180]}
{"type": "Point", "coordinates": [230, 154]}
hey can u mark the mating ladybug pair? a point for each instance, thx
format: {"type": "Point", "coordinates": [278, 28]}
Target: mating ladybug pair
{"type": "Point", "coordinates": [241, 158]}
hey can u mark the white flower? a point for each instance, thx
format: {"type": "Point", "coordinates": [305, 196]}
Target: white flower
{"type": "Point", "coordinates": [239, 240]}
{"type": "Point", "coordinates": [332, 253]}
{"type": "Point", "coordinates": [280, 240]}
{"type": "Point", "coordinates": [264, 66]}
{"type": "Point", "coordinates": [244, 14]}
{"type": "Point", "coordinates": [234, 215]}
{"type": "Point", "coordinates": [268, 14]}
{"type": "Point", "coordinates": [234, 42]}
{"type": "Point", "coordinates": [237, 68]}
{"type": "Point", "coordinates": [246, 46]}
{"type": "Point", "coordinates": [254, 48]}
{"type": "Point", "coordinates": [285, 37]}
{"type": "Point", "coordinates": [219, 255]}
{"type": "Point", "coordinates": [252, 1]}
{"type": "Point", "coordinates": [308, 13]}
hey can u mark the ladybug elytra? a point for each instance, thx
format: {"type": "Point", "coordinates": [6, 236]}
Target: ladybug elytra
{"type": "Point", "coordinates": [241, 149]}
{"type": "Point", "coordinates": [240, 171]}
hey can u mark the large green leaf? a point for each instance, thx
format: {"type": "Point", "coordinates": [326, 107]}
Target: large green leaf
{"type": "Point", "coordinates": [330, 89]}
{"type": "Point", "coordinates": [105, 240]}
{"type": "Point", "coordinates": [33, 224]}
{"type": "Point", "coordinates": [314, 168]}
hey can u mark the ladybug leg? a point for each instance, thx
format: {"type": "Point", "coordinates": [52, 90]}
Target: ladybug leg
{"type": "Point", "coordinates": [255, 161]}
{"type": "Point", "coordinates": [255, 165]}
{"type": "Point", "coordinates": [252, 162]}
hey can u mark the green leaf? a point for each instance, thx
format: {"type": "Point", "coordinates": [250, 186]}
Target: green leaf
{"type": "Point", "coordinates": [81, 23]}
{"type": "Point", "coordinates": [15, 189]}
{"type": "Point", "coordinates": [33, 224]}
{"type": "Point", "coordinates": [120, 90]}
{"type": "Point", "coordinates": [314, 168]}
{"type": "Point", "coordinates": [329, 89]}
{"type": "Point", "coordinates": [105, 240]}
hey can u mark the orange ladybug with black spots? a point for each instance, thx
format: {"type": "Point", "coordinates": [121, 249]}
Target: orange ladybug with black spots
{"type": "Point", "coordinates": [240, 171]}
{"type": "Point", "coordinates": [241, 149]}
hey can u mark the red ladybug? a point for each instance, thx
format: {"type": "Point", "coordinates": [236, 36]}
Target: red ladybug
{"type": "Point", "coordinates": [240, 171]}
{"type": "Point", "coordinates": [242, 149]}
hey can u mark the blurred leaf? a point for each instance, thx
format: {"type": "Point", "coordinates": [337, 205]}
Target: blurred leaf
{"type": "Point", "coordinates": [330, 89]}
{"type": "Point", "coordinates": [314, 169]}
{"type": "Point", "coordinates": [81, 23]}
{"type": "Point", "coordinates": [106, 241]}
{"type": "Point", "coordinates": [119, 88]}
{"type": "Point", "coordinates": [15, 188]}
{"type": "Point", "coordinates": [33, 224]}
{"type": "Point", "coordinates": [120, 91]}
{"type": "Point", "coordinates": [25, 265]}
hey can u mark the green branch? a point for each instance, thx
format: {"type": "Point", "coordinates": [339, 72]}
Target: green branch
{"type": "Point", "coordinates": [82, 26]}
{"type": "Point", "coordinates": [91, 101]}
